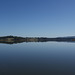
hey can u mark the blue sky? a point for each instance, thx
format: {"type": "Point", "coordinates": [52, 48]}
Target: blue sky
{"type": "Point", "coordinates": [43, 18]}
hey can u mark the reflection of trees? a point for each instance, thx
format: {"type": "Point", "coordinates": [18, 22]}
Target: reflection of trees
{"type": "Point", "coordinates": [15, 39]}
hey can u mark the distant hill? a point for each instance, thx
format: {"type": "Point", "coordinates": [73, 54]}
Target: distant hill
{"type": "Point", "coordinates": [16, 39]}
{"type": "Point", "coordinates": [67, 37]}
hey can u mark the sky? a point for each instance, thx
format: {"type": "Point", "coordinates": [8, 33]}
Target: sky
{"type": "Point", "coordinates": [37, 18]}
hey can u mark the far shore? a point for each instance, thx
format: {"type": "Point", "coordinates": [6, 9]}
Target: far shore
{"type": "Point", "coordinates": [16, 39]}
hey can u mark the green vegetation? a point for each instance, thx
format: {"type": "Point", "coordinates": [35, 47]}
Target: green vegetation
{"type": "Point", "coordinates": [15, 39]}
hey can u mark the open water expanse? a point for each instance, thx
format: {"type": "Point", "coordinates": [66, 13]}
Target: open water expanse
{"type": "Point", "coordinates": [37, 58]}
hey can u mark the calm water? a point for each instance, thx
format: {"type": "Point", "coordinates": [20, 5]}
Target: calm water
{"type": "Point", "coordinates": [47, 58]}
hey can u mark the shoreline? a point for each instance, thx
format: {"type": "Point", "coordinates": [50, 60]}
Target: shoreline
{"type": "Point", "coordinates": [16, 39]}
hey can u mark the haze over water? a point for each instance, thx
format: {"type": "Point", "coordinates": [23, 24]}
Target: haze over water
{"type": "Point", "coordinates": [37, 58]}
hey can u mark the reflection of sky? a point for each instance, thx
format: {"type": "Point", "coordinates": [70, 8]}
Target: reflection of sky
{"type": "Point", "coordinates": [37, 17]}
{"type": "Point", "coordinates": [39, 58]}
{"type": "Point", "coordinates": [45, 57]}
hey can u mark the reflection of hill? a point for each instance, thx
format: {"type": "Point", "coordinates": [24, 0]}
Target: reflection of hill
{"type": "Point", "coordinates": [15, 39]}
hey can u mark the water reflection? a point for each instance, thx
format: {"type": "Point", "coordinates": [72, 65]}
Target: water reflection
{"type": "Point", "coordinates": [4, 42]}
{"type": "Point", "coordinates": [37, 58]}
